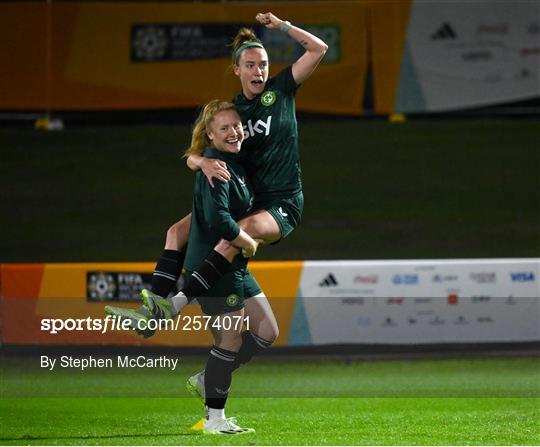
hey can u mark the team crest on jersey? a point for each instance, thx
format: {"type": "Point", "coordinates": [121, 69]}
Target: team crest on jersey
{"type": "Point", "coordinates": [232, 300]}
{"type": "Point", "coordinates": [268, 98]}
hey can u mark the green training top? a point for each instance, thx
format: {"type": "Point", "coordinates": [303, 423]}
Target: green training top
{"type": "Point", "coordinates": [216, 210]}
{"type": "Point", "coordinates": [270, 146]}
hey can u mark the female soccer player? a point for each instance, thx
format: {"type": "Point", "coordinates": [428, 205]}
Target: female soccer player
{"type": "Point", "coordinates": [271, 159]}
{"type": "Point", "coordinates": [267, 108]}
{"type": "Point", "coordinates": [218, 134]}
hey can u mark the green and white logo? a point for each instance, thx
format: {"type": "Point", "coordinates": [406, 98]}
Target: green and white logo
{"type": "Point", "coordinates": [232, 300]}
{"type": "Point", "coordinates": [268, 98]}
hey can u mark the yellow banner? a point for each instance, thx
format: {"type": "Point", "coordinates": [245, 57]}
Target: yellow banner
{"type": "Point", "coordinates": [101, 55]}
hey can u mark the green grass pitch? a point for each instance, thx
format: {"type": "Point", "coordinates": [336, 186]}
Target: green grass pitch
{"type": "Point", "coordinates": [469, 401]}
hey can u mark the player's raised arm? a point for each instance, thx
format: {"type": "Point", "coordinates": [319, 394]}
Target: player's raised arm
{"type": "Point", "coordinates": [315, 47]}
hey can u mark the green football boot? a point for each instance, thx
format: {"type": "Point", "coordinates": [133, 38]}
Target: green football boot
{"type": "Point", "coordinates": [159, 308]}
{"type": "Point", "coordinates": [138, 318]}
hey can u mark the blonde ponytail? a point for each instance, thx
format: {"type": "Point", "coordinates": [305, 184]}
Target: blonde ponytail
{"type": "Point", "coordinates": [199, 136]}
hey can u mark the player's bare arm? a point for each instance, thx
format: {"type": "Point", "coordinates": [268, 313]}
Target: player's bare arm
{"type": "Point", "coordinates": [315, 47]}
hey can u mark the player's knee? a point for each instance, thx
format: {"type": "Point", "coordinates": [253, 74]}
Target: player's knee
{"type": "Point", "coordinates": [269, 332]}
{"type": "Point", "coordinates": [172, 237]}
{"type": "Point", "coordinates": [177, 234]}
{"type": "Point", "coordinates": [183, 225]}
{"type": "Point", "coordinates": [273, 333]}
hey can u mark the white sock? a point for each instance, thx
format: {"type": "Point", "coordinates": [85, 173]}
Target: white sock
{"type": "Point", "coordinates": [215, 413]}
{"type": "Point", "coordinates": [178, 302]}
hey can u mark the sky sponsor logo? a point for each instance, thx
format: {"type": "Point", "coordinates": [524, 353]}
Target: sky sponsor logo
{"type": "Point", "coordinates": [250, 129]}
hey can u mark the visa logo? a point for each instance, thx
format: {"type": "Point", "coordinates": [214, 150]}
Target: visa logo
{"type": "Point", "coordinates": [522, 276]}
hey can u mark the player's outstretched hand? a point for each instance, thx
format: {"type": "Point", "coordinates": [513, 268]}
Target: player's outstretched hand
{"type": "Point", "coordinates": [269, 20]}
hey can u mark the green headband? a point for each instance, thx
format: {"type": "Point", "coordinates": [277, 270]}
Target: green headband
{"type": "Point", "coordinates": [244, 46]}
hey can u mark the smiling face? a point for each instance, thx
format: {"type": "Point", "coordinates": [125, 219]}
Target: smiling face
{"type": "Point", "coordinates": [226, 132]}
{"type": "Point", "coordinates": [252, 69]}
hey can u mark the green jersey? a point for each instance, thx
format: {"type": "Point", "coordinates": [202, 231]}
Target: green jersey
{"type": "Point", "coordinates": [216, 210]}
{"type": "Point", "coordinates": [270, 146]}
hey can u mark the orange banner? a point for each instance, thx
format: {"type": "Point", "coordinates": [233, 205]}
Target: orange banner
{"type": "Point", "coordinates": [100, 55]}
{"type": "Point", "coordinates": [35, 294]}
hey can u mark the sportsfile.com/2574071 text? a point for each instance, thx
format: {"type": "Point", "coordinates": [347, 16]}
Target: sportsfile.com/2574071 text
{"type": "Point", "coordinates": [112, 323]}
